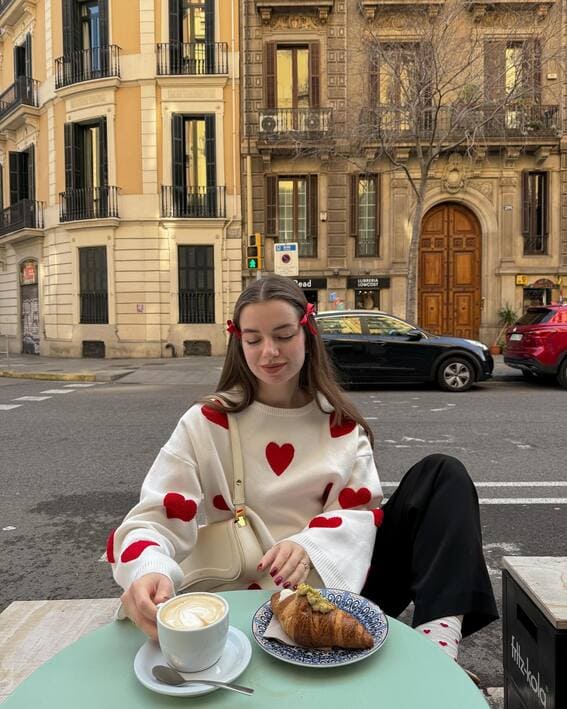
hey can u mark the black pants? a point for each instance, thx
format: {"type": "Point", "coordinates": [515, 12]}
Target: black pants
{"type": "Point", "coordinates": [429, 548]}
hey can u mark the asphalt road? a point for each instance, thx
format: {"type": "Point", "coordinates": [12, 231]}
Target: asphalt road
{"type": "Point", "coordinates": [71, 465]}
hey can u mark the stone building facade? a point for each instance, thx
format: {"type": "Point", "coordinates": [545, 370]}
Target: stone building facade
{"type": "Point", "coordinates": [494, 229]}
{"type": "Point", "coordinates": [120, 233]}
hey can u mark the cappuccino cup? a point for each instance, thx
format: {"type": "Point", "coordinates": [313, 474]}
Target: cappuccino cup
{"type": "Point", "coordinates": [192, 630]}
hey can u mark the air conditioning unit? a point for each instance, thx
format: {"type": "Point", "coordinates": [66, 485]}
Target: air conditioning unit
{"type": "Point", "coordinates": [267, 123]}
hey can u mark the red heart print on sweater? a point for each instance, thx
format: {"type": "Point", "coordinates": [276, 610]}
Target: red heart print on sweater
{"type": "Point", "coordinates": [427, 631]}
{"type": "Point", "coordinates": [220, 503]}
{"type": "Point", "coordinates": [326, 493]}
{"type": "Point", "coordinates": [354, 498]}
{"type": "Point", "coordinates": [345, 427]}
{"type": "Point", "coordinates": [134, 550]}
{"type": "Point", "coordinates": [110, 547]}
{"type": "Point", "coordinates": [218, 417]}
{"type": "Point", "coordinates": [254, 587]}
{"type": "Point", "coordinates": [378, 517]}
{"type": "Point", "coordinates": [279, 457]}
{"type": "Point", "coordinates": [325, 522]}
{"type": "Point", "coordinates": [178, 507]}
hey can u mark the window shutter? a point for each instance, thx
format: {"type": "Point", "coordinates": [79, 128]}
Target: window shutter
{"type": "Point", "coordinates": [378, 189]}
{"type": "Point", "coordinates": [271, 210]}
{"type": "Point", "coordinates": [28, 47]}
{"type": "Point", "coordinates": [526, 206]}
{"type": "Point", "coordinates": [104, 36]}
{"type": "Point", "coordinates": [210, 150]}
{"type": "Point", "coordinates": [174, 21]}
{"type": "Point", "coordinates": [494, 70]}
{"type": "Point", "coordinates": [69, 157]}
{"type": "Point", "coordinates": [30, 177]}
{"type": "Point", "coordinates": [545, 202]}
{"type": "Point", "coordinates": [177, 142]}
{"type": "Point", "coordinates": [103, 137]}
{"type": "Point", "coordinates": [270, 74]}
{"type": "Point", "coordinates": [14, 177]}
{"type": "Point", "coordinates": [1, 187]}
{"type": "Point", "coordinates": [209, 36]}
{"type": "Point", "coordinates": [314, 75]}
{"type": "Point", "coordinates": [353, 206]}
{"type": "Point", "coordinates": [68, 27]}
{"type": "Point", "coordinates": [536, 69]}
{"type": "Point", "coordinates": [312, 206]}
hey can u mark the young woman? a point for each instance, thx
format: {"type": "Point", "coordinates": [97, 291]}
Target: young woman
{"type": "Point", "coordinates": [312, 490]}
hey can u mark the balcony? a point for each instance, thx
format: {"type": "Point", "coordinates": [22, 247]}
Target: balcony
{"type": "Point", "coordinates": [266, 7]}
{"type": "Point", "coordinates": [11, 11]}
{"type": "Point", "coordinates": [193, 202]}
{"type": "Point", "coordinates": [192, 59]}
{"type": "Point", "coordinates": [490, 121]}
{"type": "Point", "coordinates": [281, 126]}
{"type": "Point", "coordinates": [25, 214]}
{"type": "Point", "coordinates": [87, 65]}
{"type": "Point", "coordinates": [23, 92]}
{"type": "Point", "coordinates": [88, 203]}
{"type": "Point", "coordinates": [370, 8]}
{"type": "Point", "coordinates": [479, 8]}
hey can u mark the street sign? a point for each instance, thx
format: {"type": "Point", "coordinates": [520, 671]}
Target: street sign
{"type": "Point", "coordinates": [286, 259]}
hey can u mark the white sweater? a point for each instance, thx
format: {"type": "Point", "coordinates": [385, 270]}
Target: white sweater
{"type": "Point", "coordinates": [306, 480]}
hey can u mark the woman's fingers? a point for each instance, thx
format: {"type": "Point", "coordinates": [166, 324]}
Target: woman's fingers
{"type": "Point", "coordinates": [287, 562]}
{"type": "Point", "coordinates": [140, 601]}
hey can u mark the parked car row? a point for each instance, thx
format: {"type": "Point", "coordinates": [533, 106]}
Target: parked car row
{"type": "Point", "coordinates": [372, 346]}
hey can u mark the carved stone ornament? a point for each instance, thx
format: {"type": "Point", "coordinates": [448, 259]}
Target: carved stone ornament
{"type": "Point", "coordinates": [484, 187]}
{"type": "Point", "coordinates": [453, 180]}
{"type": "Point", "coordinates": [295, 22]}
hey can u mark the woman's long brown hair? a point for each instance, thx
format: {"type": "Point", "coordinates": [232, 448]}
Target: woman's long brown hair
{"type": "Point", "coordinates": [316, 375]}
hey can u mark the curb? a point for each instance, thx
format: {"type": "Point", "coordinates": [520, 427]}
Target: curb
{"type": "Point", "coordinates": [103, 376]}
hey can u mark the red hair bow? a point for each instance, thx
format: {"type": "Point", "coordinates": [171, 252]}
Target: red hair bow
{"type": "Point", "coordinates": [305, 320]}
{"type": "Point", "coordinates": [233, 329]}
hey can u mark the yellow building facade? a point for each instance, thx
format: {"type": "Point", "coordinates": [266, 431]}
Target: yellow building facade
{"type": "Point", "coordinates": [119, 134]}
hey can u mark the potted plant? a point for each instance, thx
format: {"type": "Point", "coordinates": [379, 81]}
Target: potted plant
{"type": "Point", "coordinates": [507, 316]}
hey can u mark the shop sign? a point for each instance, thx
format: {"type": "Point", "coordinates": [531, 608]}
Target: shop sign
{"type": "Point", "coordinates": [311, 283]}
{"type": "Point", "coordinates": [521, 280]}
{"type": "Point", "coordinates": [368, 282]}
{"type": "Point", "coordinates": [28, 273]}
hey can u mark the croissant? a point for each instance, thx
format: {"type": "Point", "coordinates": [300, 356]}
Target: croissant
{"type": "Point", "coordinates": [313, 628]}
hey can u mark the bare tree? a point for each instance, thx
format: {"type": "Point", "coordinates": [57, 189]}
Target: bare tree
{"type": "Point", "coordinates": [443, 82]}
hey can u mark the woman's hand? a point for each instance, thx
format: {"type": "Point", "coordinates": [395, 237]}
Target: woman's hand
{"type": "Point", "coordinates": [141, 599]}
{"type": "Point", "coordinates": [287, 562]}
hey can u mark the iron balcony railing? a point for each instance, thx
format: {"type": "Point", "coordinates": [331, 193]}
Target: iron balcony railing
{"type": "Point", "coordinates": [535, 245]}
{"type": "Point", "coordinates": [488, 120]}
{"type": "Point", "coordinates": [88, 203]}
{"type": "Point", "coordinates": [196, 306]}
{"type": "Point", "coordinates": [5, 4]}
{"type": "Point", "coordinates": [87, 65]}
{"type": "Point", "coordinates": [192, 58]}
{"type": "Point", "coordinates": [193, 202]}
{"type": "Point", "coordinates": [24, 91]}
{"type": "Point", "coordinates": [304, 123]}
{"type": "Point", "coordinates": [94, 308]}
{"type": "Point", "coordinates": [25, 214]}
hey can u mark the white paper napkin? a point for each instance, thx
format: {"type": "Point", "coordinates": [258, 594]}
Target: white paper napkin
{"type": "Point", "coordinates": [274, 630]}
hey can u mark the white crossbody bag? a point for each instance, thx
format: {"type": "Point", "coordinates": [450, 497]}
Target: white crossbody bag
{"type": "Point", "coordinates": [229, 550]}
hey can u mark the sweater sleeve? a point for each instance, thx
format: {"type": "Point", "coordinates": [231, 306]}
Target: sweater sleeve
{"type": "Point", "coordinates": [340, 541]}
{"type": "Point", "coordinates": [161, 529]}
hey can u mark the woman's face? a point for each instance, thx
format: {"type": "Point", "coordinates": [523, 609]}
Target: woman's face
{"type": "Point", "coordinates": [273, 342]}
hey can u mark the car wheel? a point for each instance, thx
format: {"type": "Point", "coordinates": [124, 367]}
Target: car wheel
{"type": "Point", "coordinates": [562, 374]}
{"type": "Point", "coordinates": [456, 374]}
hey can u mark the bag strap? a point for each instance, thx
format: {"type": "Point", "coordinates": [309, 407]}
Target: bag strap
{"type": "Point", "coordinates": [237, 464]}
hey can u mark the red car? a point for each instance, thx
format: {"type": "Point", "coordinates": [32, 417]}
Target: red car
{"type": "Point", "coordinates": [537, 343]}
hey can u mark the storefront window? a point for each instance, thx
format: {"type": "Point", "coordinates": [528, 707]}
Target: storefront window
{"type": "Point", "coordinates": [367, 299]}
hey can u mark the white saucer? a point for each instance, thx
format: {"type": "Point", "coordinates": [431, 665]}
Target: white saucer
{"type": "Point", "coordinates": [234, 660]}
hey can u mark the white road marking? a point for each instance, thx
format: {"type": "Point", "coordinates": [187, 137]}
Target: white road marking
{"type": "Point", "coordinates": [538, 483]}
{"type": "Point", "coordinates": [524, 501]}
{"type": "Point", "coordinates": [8, 407]}
{"type": "Point", "coordinates": [32, 398]}
{"type": "Point", "coordinates": [409, 438]}
{"type": "Point", "coordinates": [57, 391]}
{"type": "Point", "coordinates": [80, 386]}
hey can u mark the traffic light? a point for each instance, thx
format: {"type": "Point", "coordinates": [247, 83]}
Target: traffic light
{"type": "Point", "coordinates": [254, 252]}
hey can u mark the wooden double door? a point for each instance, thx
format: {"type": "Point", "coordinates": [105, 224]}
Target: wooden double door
{"type": "Point", "coordinates": [450, 272]}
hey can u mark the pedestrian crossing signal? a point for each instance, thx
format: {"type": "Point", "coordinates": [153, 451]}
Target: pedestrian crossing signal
{"type": "Point", "coordinates": [254, 252]}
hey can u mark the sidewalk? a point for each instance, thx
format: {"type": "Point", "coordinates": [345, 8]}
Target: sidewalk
{"type": "Point", "coordinates": [195, 370]}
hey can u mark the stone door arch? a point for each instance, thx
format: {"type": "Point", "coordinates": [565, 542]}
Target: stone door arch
{"type": "Point", "coordinates": [450, 271]}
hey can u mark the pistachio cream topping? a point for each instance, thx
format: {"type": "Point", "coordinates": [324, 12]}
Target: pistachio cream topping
{"type": "Point", "coordinates": [317, 601]}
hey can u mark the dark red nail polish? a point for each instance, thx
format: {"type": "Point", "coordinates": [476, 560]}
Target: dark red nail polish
{"type": "Point", "coordinates": [273, 572]}
{"type": "Point", "coordinates": [295, 587]}
{"type": "Point", "coordinates": [259, 567]}
{"type": "Point", "coordinates": [278, 580]}
{"type": "Point", "coordinates": [287, 584]}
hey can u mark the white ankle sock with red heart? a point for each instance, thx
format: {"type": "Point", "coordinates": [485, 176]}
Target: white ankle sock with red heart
{"type": "Point", "coordinates": [445, 633]}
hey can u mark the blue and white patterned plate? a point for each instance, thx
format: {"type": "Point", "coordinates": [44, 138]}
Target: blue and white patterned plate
{"type": "Point", "coordinates": [361, 608]}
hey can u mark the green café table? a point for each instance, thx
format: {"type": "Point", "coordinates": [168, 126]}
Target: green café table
{"type": "Point", "coordinates": [96, 672]}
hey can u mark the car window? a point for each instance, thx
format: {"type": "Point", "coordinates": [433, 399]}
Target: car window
{"type": "Point", "coordinates": [386, 325]}
{"type": "Point", "coordinates": [534, 317]}
{"type": "Point", "coordinates": [560, 317]}
{"type": "Point", "coordinates": [339, 326]}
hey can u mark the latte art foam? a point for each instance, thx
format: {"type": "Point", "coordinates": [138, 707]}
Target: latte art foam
{"type": "Point", "coordinates": [192, 612]}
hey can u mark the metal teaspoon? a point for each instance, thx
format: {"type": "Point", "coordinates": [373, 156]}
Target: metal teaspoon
{"type": "Point", "coordinates": [168, 675]}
